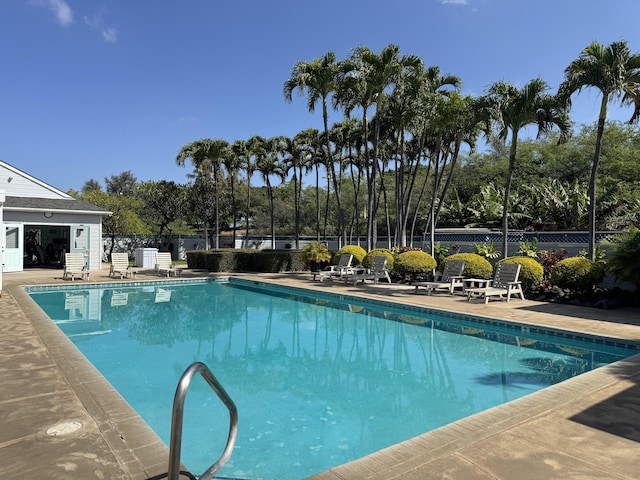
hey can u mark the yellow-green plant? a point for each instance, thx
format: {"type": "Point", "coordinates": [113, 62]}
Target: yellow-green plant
{"type": "Point", "coordinates": [377, 252]}
{"type": "Point", "coordinates": [531, 271]}
{"type": "Point", "coordinates": [577, 273]}
{"type": "Point", "coordinates": [415, 261]}
{"type": "Point", "coordinates": [475, 266]}
{"type": "Point", "coordinates": [357, 251]}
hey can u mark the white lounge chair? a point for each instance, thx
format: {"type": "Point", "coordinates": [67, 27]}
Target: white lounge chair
{"type": "Point", "coordinates": [505, 282]}
{"type": "Point", "coordinates": [120, 265]}
{"type": "Point", "coordinates": [164, 264]}
{"type": "Point", "coordinates": [378, 270]}
{"type": "Point", "coordinates": [74, 266]}
{"type": "Point", "coordinates": [339, 270]}
{"type": "Point", "coordinates": [450, 279]}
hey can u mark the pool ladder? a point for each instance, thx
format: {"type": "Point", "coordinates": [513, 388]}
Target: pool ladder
{"type": "Point", "coordinates": [177, 414]}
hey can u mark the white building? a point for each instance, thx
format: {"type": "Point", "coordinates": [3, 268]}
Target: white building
{"type": "Point", "coordinates": [40, 223]}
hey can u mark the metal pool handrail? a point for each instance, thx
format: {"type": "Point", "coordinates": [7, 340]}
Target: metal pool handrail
{"type": "Point", "coordinates": [177, 414]}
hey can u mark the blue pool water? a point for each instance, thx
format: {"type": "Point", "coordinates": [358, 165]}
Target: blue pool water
{"type": "Point", "coordinates": [318, 381]}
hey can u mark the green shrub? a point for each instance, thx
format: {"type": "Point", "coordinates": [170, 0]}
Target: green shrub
{"type": "Point", "coordinates": [196, 259]}
{"type": "Point", "coordinates": [577, 273]}
{"type": "Point", "coordinates": [415, 261]}
{"type": "Point", "coordinates": [475, 265]}
{"type": "Point", "coordinates": [377, 252]}
{"type": "Point", "coordinates": [358, 254]}
{"type": "Point", "coordinates": [247, 260]}
{"type": "Point", "coordinates": [531, 271]}
{"type": "Point", "coordinates": [624, 261]}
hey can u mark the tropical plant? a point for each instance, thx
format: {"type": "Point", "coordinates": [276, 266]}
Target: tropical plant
{"type": "Point", "coordinates": [527, 249]}
{"type": "Point", "coordinates": [578, 274]}
{"type": "Point", "coordinates": [614, 71]}
{"type": "Point", "coordinates": [475, 266]}
{"type": "Point", "coordinates": [268, 163]}
{"type": "Point", "coordinates": [624, 256]}
{"type": "Point", "coordinates": [440, 252]}
{"type": "Point", "coordinates": [318, 79]}
{"type": "Point", "coordinates": [206, 156]}
{"type": "Point", "coordinates": [316, 252]}
{"type": "Point", "coordinates": [600, 256]}
{"type": "Point", "coordinates": [549, 258]}
{"type": "Point", "coordinates": [514, 109]}
{"type": "Point", "coordinates": [531, 272]}
{"type": "Point", "coordinates": [485, 249]}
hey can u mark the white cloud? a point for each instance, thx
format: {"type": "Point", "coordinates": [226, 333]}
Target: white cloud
{"type": "Point", "coordinates": [97, 22]}
{"type": "Point", "coordinates": [454, 2]}
{"type": "Point", "coordinates": [60, 8]}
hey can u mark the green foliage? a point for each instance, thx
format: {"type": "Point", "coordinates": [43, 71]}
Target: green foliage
{"type": "Point", "coordinates": [316, 252]}
{"type": "Point", "coordinates": [475, 265]}
{"type": "Point", "coordinates": [440, 252]}
{"type": "Point", "coordinates": [527, 250]}
{"type": "Point", "coordinates": [624, 261]}
{"type": "Point", "coordinates": [247, 260]}
{"type": "Point", "coordinates": [486, 249]}
{"type": "Point", "coordinates": [531, 272]}
{"type": "Point", "coordinates": [377, 252]}
{"type": "Point", "coordinates": [600, 255]}
{"type": "Point", "coordinates": [357, 251]}
{"type": "Point", "coordinates": [415, 261]}
{"type": "Point", "coordinates": [577, 273]}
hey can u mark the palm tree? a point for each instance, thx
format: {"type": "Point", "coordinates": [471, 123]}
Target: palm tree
{"type": "Point", "coordinates": [233, 163]}
{"type": "Point", "coordinates": [515, 108]}
{"type": "Point", "coordinates": [365, 81]}
{"type": "Point", "coordinates": [318, 79]}
{"type": "Point", "coordinates": [268, 164]}
{"type": "Point", "coordinates": [613, 70]}
{"type": "Point", "coordinates": [206, 156]}
{"type": "Point", "coordinates": [296, 160]}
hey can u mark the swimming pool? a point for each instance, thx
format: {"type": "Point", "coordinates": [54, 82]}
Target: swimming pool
{"type": "Point", "coordinates": [318, 380]}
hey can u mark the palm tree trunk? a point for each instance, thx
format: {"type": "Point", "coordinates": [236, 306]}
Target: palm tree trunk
{"type": "Point", "coordinates": [507, 193]}
{"type": "Point", "coordinates": [592, 179]}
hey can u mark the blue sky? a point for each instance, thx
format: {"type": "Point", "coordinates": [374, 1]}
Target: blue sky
{"type": "Point", "coordinates": [91, 89]}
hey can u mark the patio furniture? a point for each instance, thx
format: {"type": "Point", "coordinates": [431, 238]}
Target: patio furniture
{"type": "Point", "coordinates": [74, 265]}
{"type": "Point", "coordinates": [450, 279]}
{"type": "Point", "coordinates": [378, 270]}
{"type": "Point", "coordinates": [339, 270]}
{"type": "Point", "coordinates": [165, 265]}
{"type": "Point", "coordinates": [120, 265]}
{"type": "Point", "coordinates": [505, 282]}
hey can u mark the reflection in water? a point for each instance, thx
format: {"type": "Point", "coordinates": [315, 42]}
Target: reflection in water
{"type": "Point", "coordinates": [317, 383]}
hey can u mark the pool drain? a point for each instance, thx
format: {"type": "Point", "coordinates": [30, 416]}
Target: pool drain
{"type": "Point", "coordinates": [63, 428]}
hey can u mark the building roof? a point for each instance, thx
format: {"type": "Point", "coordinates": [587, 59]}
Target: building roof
{"type": "Point", "coordinates": [70, 205]}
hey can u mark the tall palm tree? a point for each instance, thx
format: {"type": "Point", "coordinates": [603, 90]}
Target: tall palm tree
{"type": "Point", "coordinates": [295, 160]}
{"type": "Point", "coordinates": [242, 151]}
{"type": "Point", "coordinates": [613, 70]}
{"type": "Point", "coordinates": [365, 81]}
{"type": "Point", "coordinates": [268, 164]}
{"type": "Point", "coordinates": [318, 79]}
{"type": "Point", "coordinates": [233, 163]}
{"type": "Point", "coordinates": [206, 156]}
{"type": "Point", "coordinates": [515, 108]}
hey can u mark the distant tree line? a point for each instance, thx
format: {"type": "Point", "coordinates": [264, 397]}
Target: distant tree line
{"type": "Point", "coordinates": [404, 159]}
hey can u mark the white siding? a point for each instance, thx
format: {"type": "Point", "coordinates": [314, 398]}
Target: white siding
{"type": "Point", "coordinates": [17, 183]}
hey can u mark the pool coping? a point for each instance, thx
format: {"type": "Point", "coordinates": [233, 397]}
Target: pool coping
{"type": "Point", "coordinates": [140, 454]}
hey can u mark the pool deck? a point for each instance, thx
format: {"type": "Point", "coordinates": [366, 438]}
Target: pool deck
{"type": "Point", "coordinates": [587, 427]}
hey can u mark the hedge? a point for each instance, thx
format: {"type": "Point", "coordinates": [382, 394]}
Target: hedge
{"type": "Point", "coordinates": [247, 260]}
